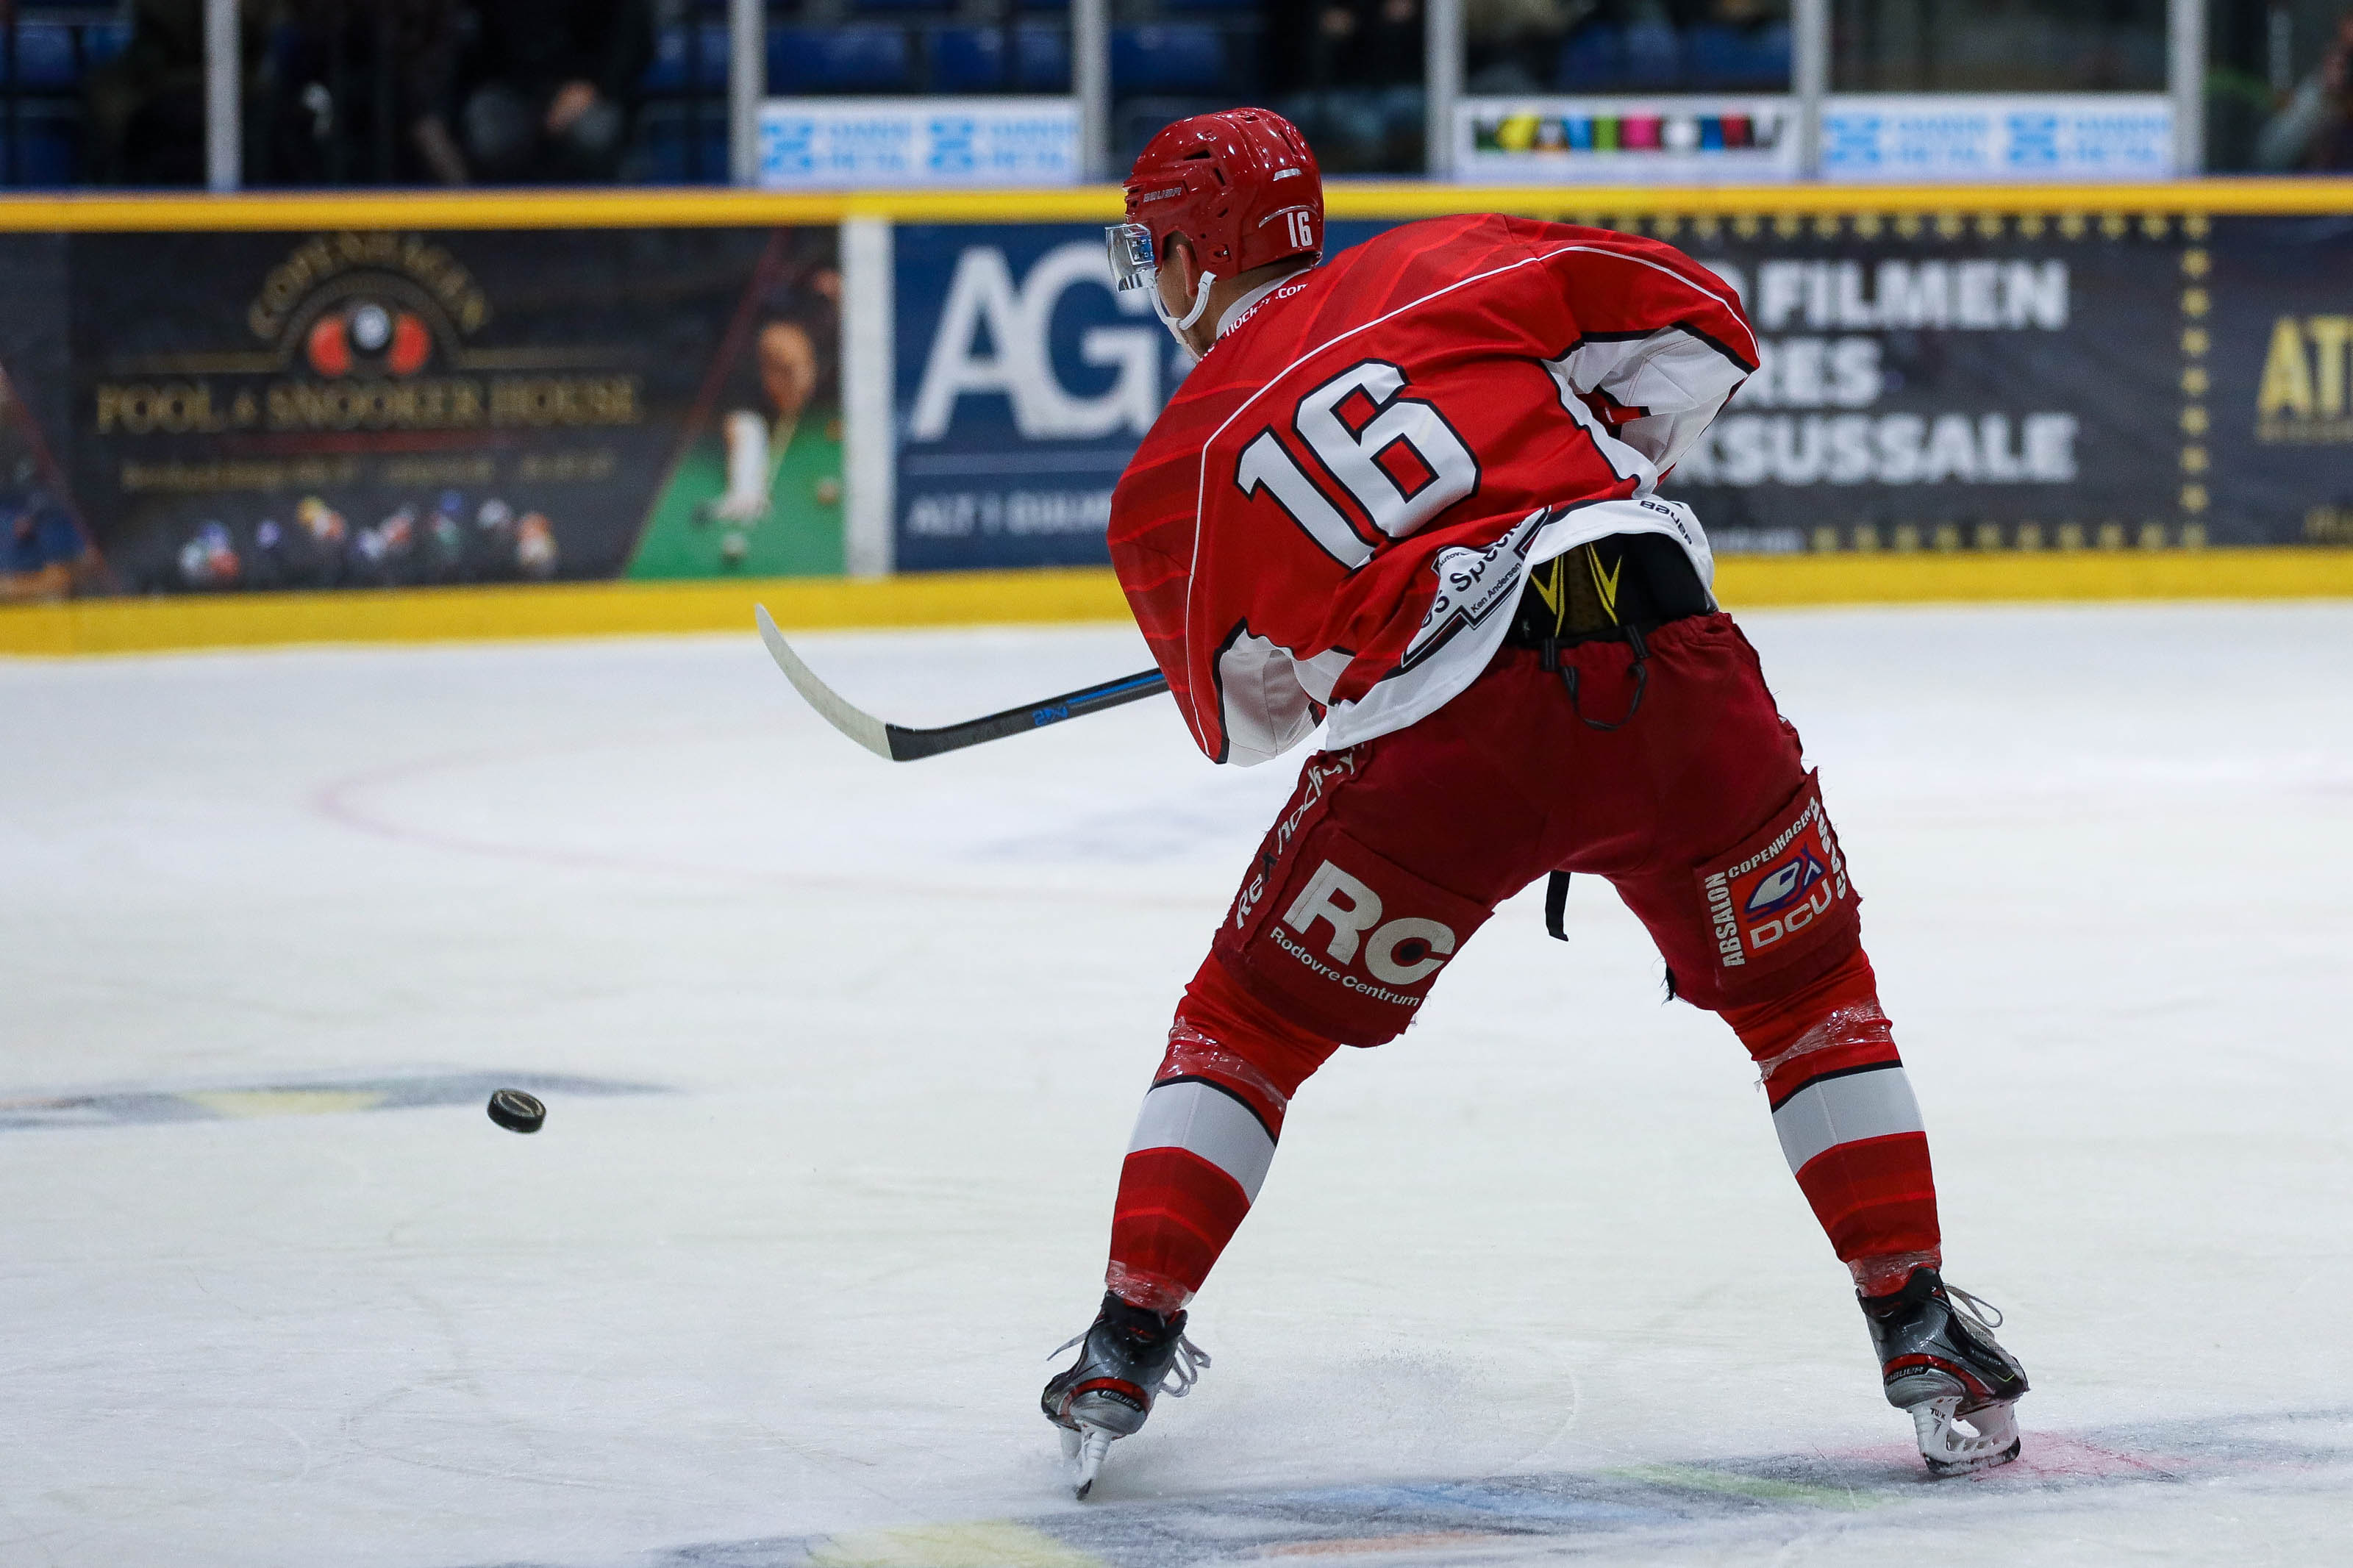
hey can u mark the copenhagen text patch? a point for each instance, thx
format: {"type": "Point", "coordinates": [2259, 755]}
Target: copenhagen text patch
{"type": "Point", "coordinates": [1776, 895]}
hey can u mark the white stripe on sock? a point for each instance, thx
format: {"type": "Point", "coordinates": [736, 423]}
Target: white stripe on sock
{"type": "Point", "coordinates": [1206, 1121]}
{"type": "Point", "coordinates": [1846, 1110]}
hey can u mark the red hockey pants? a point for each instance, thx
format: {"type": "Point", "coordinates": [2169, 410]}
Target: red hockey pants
{"type": "Point", "coordinates": [1389, 855]}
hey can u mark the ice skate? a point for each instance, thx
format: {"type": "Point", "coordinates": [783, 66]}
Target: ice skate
{"type": "Point", "coordinates": [1127, 1357]}
{"type": "Point", "coordinates": [1937, 1354]}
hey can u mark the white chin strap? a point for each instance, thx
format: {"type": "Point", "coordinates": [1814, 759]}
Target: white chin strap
{"type": "Point", "coordinates": [1178, 325]}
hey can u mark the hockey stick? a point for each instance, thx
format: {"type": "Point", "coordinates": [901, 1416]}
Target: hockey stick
{"type": "Point", "coordinates": [897, 744]}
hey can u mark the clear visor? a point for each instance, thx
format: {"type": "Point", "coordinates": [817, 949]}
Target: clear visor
{"type": "Point", "coordinates": [1132, 264]}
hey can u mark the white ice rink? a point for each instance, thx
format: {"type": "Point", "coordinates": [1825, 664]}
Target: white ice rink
{"type": "Point", "coordinates": [841, 1057]}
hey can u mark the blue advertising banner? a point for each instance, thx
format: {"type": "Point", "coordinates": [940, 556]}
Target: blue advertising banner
{"type": "Point", "coordinates": [1024, 382]}
{"type": "Point", "coordinates": [2015, 382]}
{"type": "Point", "coordinates": [2031, 136]}
{"type": "Point", "coordinates": [852, 144]}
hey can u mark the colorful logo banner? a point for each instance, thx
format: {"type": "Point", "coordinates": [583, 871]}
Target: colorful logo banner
{"type": "Point", "coordinates": [1683, 139]}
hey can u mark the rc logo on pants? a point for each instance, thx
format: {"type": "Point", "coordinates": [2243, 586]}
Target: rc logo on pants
{"type": "Point", "coordinates": [1403, 951]}
{"type": "Point", "coordinates": [1349, 942]}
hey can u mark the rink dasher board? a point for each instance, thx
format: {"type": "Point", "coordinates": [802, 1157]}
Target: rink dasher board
{"type": "Point", "coordinates": [1078, 594]}
{"type": "Point", "coordinates": [1943, 380]}
{"type": "Point", "coordinates": [91, 212]}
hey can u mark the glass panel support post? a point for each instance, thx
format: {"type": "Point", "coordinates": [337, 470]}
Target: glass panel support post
{"type": "Point", "coordinates": [1809, 78]}
{"type": "Point", "coordinates": [869, 456]}
{"type": "Point", "coordinates": [747, 84]}
{"type": "Point", "coordinates": [2185, 83]}
{"type": "Point", "coordinates": [224, 122]}
{"type": "Point", "coordinates": [1442, 83]}
{"type": "Point", "coordinates": [1091, 82]}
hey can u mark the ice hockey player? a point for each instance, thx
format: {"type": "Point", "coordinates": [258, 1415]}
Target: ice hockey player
{"type": "Point", "coordinates": [1410, 494]}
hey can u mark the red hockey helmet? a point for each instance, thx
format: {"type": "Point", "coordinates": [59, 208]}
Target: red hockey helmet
{"type": "Point", "coordinates": [1240, 184]}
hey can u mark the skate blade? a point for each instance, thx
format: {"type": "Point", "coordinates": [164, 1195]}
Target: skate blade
{"type": "Point", "coordinates": [1084, 1449]}
{"type": "Point", "coordinates": [1951, 1449]}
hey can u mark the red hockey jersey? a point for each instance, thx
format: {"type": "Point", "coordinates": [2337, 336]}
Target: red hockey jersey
{"type": "Point", "coordinates": [1336, 510]}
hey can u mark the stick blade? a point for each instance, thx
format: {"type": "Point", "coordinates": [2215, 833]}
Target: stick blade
{"type": "Point", "coordinates": [863, 728]}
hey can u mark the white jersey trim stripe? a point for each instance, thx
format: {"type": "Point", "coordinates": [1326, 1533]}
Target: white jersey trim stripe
{"type": "Point", "coordinates": [1847, 1109]}
{"type": "Point", "coordinates": [1208, 1122]}
{"type": "Point", "coordinates": [1396, 700]}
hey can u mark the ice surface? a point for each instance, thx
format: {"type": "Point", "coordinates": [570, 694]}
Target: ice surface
{"type": "Point", "coordinates": [854, 1051]}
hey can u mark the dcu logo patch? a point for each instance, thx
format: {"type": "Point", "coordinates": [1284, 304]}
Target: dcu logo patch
{"type": "Point", "coordinates": [1787, 883]}
{"type": "Point", "coordinates": [1773, 897]}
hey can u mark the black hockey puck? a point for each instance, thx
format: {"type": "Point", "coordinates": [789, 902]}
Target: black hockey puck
{"type": "Point", "coordinates": [517, 1111]}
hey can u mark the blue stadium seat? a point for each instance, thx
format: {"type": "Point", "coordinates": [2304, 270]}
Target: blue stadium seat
{"type": "Point", "coordinates": [1719, 59]}
{"type": "Point", "coordinates": [44, 56]}
{"type": "Point", "coordinates": [967, 59]}
{"type": "Point", "coordinates": [1042, 4]}
{"type": "Point", "coordinates": [1653, 58]}
{"type": "Point", "coordinates": [1041, 59]}
{"type": "Point", "coordinates": [900, 6]}
{"type": "Point", "coordinates": [839, 60]}
{"type": "Point", "coordinates": [1599, 58]}
{"type": "Point", "coordinates": [665, 139]}
{"type": "Point", "coordinates": [104, 40]}
{"type": "Point", "coordinates": [669, 71]}
{"type": "Point", "coordinates": [1167, 59]}
{"type": "Point", "coordinates": [1711, 53]}
{"type": "Point", "coordinates": [1588, 60]}
{"type": "Point", "coordinates": [972, 59]}
{"type": "Point", "coordinates": [1183, 5]}
{"type": "Point", "coordinates": [45, 153]}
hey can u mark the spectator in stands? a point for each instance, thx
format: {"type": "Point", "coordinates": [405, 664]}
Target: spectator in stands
{"type": "Point", "coordinates": [1516, 47]}
{"type": "Point", "coordinates": [43, 554]}
{"type": "Point", "coordinates": [556, 86]}
{"type": "Point", "coordinates": [2313, 130]}
{"type": "Point", "coordinates": [359, 93]}
{"type": "Point", "coordinates": [1351, 80]}
{"type": "Point", "coordinates": [1510, 44]}
{"type": "Point", "coordinates": [147, 104]}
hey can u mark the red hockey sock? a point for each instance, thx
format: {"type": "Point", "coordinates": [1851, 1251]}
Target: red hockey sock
{"type": "Point", "coordinates": [1848, 1122]}
{"type": "Point", "coordinates": [1204, 1138]}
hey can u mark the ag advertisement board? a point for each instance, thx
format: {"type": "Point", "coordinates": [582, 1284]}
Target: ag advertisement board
{"type": "Point", "coordinates": [256, 410]}
{"type": "Point", "coordinates": [2000, 382]}
{"type": "Point", "coordinates": [1024, 382]}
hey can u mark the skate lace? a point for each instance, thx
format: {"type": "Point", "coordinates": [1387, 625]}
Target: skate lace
{"type": "Point", "coordinates": [1984, 1313]}
{"type": "Point", "coordinates": [1182, 1374]}
{"type": "Point", "coordinates": [1186, 1370]}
